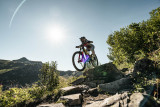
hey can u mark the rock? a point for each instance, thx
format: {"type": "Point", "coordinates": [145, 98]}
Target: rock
{"type": "Point", "coordinates": [143, 66]}
{"type": "Point", "coordinates": [113, 101]}
{"type": "Point", "coordinates": [78, 81]}
{"type": "Point", "coordinates": [69, 90]}
{"type": "Point", "coordinates": [124, 69]}
{"type": "Point", "coordinates": [73, 89]}
{"type": "Point", "coordinates": [74, 99]}
{"type": "Point", "coordinates": [117, 104]}
{"type": "Point", "coordinates": [91, 84]}
{"type": "Point", "coordinates": [108, 72]}
{"type": "Point", "coordinates": [98, 81]}
{"type": "Point", "coordinates": [83, 87]}
{"type": "Point", "coordinates": [135, 100]}
{"type": "Point", "coordinates": [94, 104]}
{"type": "Point", "coordinates": [51, 105]}
{"type": "Point", "coordinates": [141, 100]}
{"type": "Point", "coordinates": [93, 92]}
{"type": "Point", "coordinates": [126, 100]}
{"type": "Point", "coordinates": [115, 86]}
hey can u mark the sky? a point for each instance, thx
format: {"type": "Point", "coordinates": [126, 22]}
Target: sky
{"type": "Point", "coordinates": [49, 30]}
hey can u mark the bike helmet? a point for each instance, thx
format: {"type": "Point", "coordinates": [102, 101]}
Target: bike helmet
{"type": "Point", "coordinates": [82, 37]}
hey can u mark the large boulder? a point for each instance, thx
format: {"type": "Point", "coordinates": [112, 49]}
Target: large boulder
{"type": "Point", "coordinates": [107, 72]}
{"type": "Point", "coordinates": [115, 86]}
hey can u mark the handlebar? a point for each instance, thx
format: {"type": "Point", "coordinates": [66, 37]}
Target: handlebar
{"type": "Point", "coordinates": [77, 46]}
{"type": "Point", "coordinates": [81, 46]}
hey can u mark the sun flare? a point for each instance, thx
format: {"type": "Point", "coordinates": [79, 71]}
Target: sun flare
{"type": "Point", "coordinates": [55, 33]}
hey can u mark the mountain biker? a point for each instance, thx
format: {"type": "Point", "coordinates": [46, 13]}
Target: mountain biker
{"type": "Point", "coordinates": [88, 45]}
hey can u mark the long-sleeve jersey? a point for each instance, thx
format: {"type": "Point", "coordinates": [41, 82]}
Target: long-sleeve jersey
{"type": "Point", "coordinates": [85, 42]}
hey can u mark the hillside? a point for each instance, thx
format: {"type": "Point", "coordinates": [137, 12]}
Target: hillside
{"type": "Point", "coordinates": [23, 71]}
{"type": "Point", "coordinates": [18, 72]}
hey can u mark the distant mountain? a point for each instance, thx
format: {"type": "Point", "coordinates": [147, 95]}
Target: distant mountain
{"type": "Point", "coordinates": [23, 71]}
{"type": "Point", "coordinates": [23, 59]}
{"type": "Point", "coordinates": [70, 73]}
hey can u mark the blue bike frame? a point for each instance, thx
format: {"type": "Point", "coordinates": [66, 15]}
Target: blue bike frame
{"type": "Point", "coordinates": [84, 58]}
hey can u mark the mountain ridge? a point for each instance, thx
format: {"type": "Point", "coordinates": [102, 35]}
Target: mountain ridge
{"type": "Point", "coordinates": [24, 71]}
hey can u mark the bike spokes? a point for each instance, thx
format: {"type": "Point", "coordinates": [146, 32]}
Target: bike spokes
{"type": "Point", "coordinates": [78, 61]}
{"type": "Point", "coordinates": [95, 61]}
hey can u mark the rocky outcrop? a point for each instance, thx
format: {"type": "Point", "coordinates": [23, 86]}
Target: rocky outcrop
{"type": "Point", "coordinates": [116, 86]}
{"type": "Point", "coordinates": [107, 72]}
{"type": "Point", "coordinates": [99, 75]}
{"type": "Point", "coordinates": [106, 86]}
{"type": "Point", "coordinates": [113, 101]}
{"type": "Point", "coordinates": [125, 100]}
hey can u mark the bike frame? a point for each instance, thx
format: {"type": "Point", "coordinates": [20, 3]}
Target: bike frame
{"type": "Point", "coordinates": [84, 58]}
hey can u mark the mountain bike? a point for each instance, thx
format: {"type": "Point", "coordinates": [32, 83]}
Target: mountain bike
{"type": "Point", "coordinates": [80, 58]}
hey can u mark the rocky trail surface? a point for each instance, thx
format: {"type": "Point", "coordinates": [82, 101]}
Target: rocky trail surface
{"type": "Point", "coordinates": [106, 86]}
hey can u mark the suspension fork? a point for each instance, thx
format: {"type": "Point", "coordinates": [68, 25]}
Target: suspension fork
{"type": "Point", "coordinates": [82, 57]}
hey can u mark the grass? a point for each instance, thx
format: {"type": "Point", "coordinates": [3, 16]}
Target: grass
{"type": "Point", "coordinates": [4, 70]}
{"type": "Point", "coordinates": [16, 96]}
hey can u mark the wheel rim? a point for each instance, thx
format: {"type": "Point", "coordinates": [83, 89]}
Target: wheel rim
{"type": "Point", "coordinates": [95, 62]}
{"type": "Point", "coordinates": [78, 62]}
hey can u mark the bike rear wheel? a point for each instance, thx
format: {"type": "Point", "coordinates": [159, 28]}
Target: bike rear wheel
{"type": "Point", "coordinates": [94, 61]}
{"type": "Point", "coordinates": [77, 61]}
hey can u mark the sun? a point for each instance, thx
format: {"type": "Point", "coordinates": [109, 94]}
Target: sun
{"type": "Point", "coordinates": [55, 33]}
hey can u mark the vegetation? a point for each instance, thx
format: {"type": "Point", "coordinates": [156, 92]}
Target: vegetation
{"type": "Point", "coordinates": [49, 76]}
{"type": "Point", "coordinates": [14, 96]}
{"type": "Point", "coordinates": [135, 41]}
{"type": "Point", "coordinates": [5, 70]}
{"type": "Point", "coordinates": [49, 84]}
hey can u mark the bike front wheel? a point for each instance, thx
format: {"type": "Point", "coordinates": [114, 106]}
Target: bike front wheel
{"type": "Point", "coordinates": [77, 60]}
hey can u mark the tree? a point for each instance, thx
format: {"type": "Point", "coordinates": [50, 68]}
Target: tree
{"type": "Point", "coordinates": [49, 76]}
{"type": "Point", "coordinates": [135, 40]}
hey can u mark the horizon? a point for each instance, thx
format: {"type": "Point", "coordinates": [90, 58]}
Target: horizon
{"type": "Point", "coordinates": [49, 30]}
